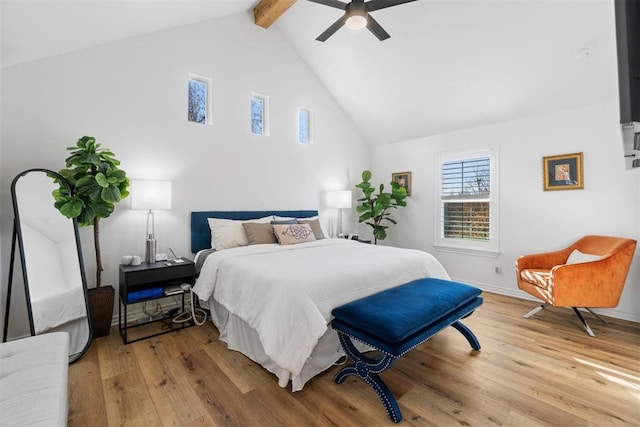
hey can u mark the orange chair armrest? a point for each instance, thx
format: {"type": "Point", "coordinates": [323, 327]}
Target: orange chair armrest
{"type": "Point", "coordinates": [591, 284]}
{"type": "Point", "coordinates": [545, 261]}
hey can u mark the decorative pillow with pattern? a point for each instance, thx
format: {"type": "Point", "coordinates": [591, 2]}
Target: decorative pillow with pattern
{"type": "Point", "coordinates": [293, 233]}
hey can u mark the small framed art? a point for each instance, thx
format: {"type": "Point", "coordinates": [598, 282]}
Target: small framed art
{"type": "Point", "coordinates": [403, 179]}
{"type": "Point", "coordinates": [563, 172]}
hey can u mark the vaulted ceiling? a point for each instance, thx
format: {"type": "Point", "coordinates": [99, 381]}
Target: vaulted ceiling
{"type": "Point", "coordinates": [449, 64]}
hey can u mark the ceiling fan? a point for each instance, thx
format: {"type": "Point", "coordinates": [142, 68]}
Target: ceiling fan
{"type": "Point", "coordinates": [356, 16]}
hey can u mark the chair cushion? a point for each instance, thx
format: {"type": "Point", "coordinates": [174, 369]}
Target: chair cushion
{"type": "Point", "coordinates": [537, 276]}
{"type": "Point", "coordinates": [576, 257]}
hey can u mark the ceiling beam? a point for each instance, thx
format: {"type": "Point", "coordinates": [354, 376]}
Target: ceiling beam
{"type": "Point", "coordinates": [268, 11]}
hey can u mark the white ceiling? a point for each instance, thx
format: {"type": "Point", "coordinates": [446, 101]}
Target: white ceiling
{"type": "Point", "coordinates": [449, 64]}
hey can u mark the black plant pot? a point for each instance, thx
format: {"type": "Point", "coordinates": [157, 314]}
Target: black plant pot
{"type": "Point", "coordinates": [101, 309]}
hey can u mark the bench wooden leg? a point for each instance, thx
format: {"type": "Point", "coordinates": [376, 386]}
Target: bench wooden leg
{"type": "Point", "coordinates": [470, 336]}
{"type": "Point", "coordinates": [368, 369]}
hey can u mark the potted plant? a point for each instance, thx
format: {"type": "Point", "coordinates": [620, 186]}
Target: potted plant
{"type": "Point", "coordinates": [374, 208]}
{"type": "Point", "coordinates": [97, 184]}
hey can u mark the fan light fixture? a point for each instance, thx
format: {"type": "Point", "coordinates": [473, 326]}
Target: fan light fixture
{"type": "Point", "coordinates": [356, 22]}
{"type": "Point", "coordinates": [356, 16]}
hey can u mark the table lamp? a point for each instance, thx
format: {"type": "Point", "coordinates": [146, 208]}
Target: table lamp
{"type": "Point", "coordinates": [338, 199]}
{"type": "Point", "coordinates": [150, 195]}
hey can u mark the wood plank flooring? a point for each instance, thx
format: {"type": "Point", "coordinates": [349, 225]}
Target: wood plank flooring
{"type": "Point", "coordinates": [542, 371]}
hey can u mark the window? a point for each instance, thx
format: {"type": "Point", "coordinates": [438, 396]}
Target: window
{"type": "Point", "coordinates": [259, 114]}
{"type": "Point", "coordinates": [467, 203]}
{"type": "Point", "coordinates": [304, 126]}
{"type": "Point", "coordinates": [199, 104]}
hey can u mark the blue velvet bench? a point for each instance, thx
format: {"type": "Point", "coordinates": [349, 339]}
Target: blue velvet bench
{"type": "Point", "coordinates": [397, 320]}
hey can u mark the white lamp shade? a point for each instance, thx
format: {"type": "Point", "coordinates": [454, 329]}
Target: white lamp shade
{"type": "Point", "coordinates": [338, 199]}
{"type": "Point", "coordinates": [150, 194]}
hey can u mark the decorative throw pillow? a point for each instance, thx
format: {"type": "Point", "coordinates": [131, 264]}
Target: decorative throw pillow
{"type": "Point", "coordinates": [258, 233]}
{"type": "Point", "coordinates": [323, 231]}
{"type": "Point", "coordinates": [229, 233]}
{"type": "Point", "coordinates": [577, 257]}
{"type": "Point", "coordinates": [315, 227]}
{"type": "Point", "coordinates": [293, 233]}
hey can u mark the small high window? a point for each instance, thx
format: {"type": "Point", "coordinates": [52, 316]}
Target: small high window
{"type": "Point", "coordinates": [199, 104]}
{"type": "Point", "coordinates": [304, 126]}
{"type": "Point", "coordinates": [259, 114]}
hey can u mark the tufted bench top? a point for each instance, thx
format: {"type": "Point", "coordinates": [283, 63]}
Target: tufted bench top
{"type": "Point", "coordinates": [398, 319]}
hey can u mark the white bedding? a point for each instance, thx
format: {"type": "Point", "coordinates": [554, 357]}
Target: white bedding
{"type": "Point", "coordinates": [286, 293]}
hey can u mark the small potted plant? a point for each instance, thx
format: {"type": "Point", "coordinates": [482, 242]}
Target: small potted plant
{"type": "Point", "coordinates": [374, 208]}
{"type": "Point", "coordinates": [97, 184]}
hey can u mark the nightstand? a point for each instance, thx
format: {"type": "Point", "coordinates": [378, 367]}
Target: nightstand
{"type": "Point", "coordinates": [150, 282]}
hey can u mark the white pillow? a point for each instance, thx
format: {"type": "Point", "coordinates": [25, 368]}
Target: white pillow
{"type": "Point", "coordinates": [229, 233]}
{"type": "Point", "coordinates": [577, 257]}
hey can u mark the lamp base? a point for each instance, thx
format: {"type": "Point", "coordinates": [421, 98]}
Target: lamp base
{"type": "Point", "coordinates": [150, 250]}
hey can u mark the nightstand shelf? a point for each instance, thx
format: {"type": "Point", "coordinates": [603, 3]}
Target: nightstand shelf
{"type": "Point", "coordinates": [150, 282]}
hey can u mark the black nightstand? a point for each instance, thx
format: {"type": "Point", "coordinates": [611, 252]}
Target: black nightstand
{"type": "Point", "coordinates": [148, 282]}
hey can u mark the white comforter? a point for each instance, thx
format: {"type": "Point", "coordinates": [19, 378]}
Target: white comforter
{"type": "Point", "coordinates": [286, 293]}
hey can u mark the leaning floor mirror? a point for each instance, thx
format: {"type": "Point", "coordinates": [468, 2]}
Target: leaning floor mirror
{"type": "Point", "coordinates": [51, 259]}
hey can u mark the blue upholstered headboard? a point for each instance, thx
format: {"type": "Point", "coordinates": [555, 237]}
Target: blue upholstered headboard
{"type": "Point", "coordinates": [201, 234]}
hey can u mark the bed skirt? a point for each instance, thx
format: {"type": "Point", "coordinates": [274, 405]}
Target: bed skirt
{"type": "Point", "coordinates": [239, 336]}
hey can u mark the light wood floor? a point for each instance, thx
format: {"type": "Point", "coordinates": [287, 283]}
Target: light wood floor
{"type": "Point", "coordinates": [543, 371]}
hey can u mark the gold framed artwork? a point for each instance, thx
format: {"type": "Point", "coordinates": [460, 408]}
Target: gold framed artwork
{"type": "Point", "coordinates": [563, 172]}
{"type": "Point", "coordinates": [403, 179]}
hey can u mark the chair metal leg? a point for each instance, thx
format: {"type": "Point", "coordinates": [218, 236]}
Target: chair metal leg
{"type": "Point", "coordinates": [596, 315]}
{"type": "Point", "coordinates": [535, 310]}
{"type": "Point", "coordinates": [584, 322]}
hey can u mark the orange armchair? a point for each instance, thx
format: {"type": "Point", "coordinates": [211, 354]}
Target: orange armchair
{"type": "Point", "coordinates": [591, 278]}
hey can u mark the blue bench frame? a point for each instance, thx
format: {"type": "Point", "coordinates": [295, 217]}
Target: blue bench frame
{"type": "Point", "coordinates": [396, 321]}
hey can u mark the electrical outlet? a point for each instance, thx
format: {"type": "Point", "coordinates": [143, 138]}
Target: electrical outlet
{"type": "Point", "coordinates": [498, 268]}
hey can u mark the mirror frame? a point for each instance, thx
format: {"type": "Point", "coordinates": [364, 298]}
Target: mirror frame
{"type": "Point", "coordinates": [17, 236]}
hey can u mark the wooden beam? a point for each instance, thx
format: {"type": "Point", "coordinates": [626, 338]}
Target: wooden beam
{"type": "Point", "coordinates": [268, 11]}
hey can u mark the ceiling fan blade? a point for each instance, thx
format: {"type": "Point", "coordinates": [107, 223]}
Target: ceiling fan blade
{"type": "Point", "coordinates": [376, 29]}
{"type": "Point", "coordinates": [332, 29]}
{"type": "Point", "coordinates": [331, 3]}
{"type": "Point", "coordinates": [381, 4]}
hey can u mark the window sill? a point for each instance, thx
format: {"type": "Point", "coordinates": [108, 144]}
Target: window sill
{"type": "Point", "coordinates": [487, 253]}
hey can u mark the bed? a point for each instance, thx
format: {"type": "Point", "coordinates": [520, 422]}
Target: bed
{"type": "Point", "coordinates": [273, 302]}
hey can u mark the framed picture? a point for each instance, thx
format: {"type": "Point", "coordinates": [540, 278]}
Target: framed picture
{"type": "Point", "coordinates": [563, 172]}
{"type": "Point", "coordinates": [403, 179]}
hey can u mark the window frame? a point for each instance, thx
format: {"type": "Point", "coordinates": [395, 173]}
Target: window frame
{"type": "Point", "coordinates": [490, 248]}
{"type": "Point", "coordinates": [208, 81]}
{"type": "Point", "coordinates": [265, 114]}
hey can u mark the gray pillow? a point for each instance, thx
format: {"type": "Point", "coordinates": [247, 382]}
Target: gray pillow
{"type": "Point", "coordinates": [315, 227]}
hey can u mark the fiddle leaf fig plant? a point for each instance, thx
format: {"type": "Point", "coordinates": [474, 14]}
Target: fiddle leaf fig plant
{"type": "Point", "coordinates": [97, 184]}
{"type": "Point", "coordinates": [375, 208]}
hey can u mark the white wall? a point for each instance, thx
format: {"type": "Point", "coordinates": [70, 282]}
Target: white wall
{"type": "Point", "coordinates": [531, 220]}
{"type": "Point", "coordinates": [131, 96]}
